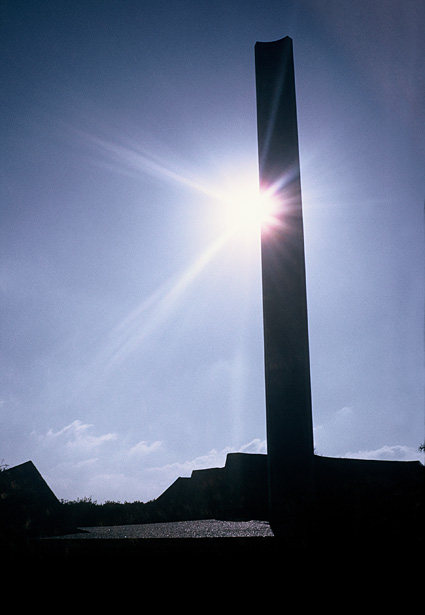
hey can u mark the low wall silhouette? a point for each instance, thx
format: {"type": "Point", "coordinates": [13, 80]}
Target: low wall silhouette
{"type": "Point", "coordinates": [353, 501]}
{"type": "Point", "coordinates": [238, 491]}
{"type": "Point", "coordinates": [383, 499]}
{"type": "Point", "coordinates": [28, 507]}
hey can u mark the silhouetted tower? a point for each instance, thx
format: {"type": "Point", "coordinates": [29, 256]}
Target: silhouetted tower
{"type": "Point", "coordinates": [287, 366]}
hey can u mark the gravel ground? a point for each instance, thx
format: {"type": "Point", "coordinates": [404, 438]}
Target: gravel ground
{"type": "Point", "coordinates": [210, 528]}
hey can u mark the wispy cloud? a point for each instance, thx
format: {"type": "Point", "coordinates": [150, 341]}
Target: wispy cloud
{"type": "Point", "coordinates": [81, 463]}
{"type": "Point", "coordinates": [167, 474]}
{"type": "Point", "coordinates": [255, 446]}
{"type": "Point", "coordinates": [333, 435]}
{"type": "Point", "coordinates": [344, 412]}
{"type": "Point", "coordinates": [144, 448]}
{"type": "Point", "coordinates": [397, 452]}
{"type": "Point", "coordinates": [335, 438]}
{"type": "Point", "coordinates": [76, 437]}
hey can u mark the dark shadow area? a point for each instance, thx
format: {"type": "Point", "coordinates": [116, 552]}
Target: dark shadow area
{"type": "Point", "coordinates": [361, 505]}
{"type": "Point", "coordinates": [28, 507]}
{"type": "Point", "coordinates": [357, 506]}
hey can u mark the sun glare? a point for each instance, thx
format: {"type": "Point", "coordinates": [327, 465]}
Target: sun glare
{"type": "Point", "coordinates": [247, 210]}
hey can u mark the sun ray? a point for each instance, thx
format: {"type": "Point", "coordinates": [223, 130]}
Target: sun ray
{"type": "Point", "coordinates": [149, 316]}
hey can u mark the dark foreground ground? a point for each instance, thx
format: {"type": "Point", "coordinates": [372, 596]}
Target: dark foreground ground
{"type": "Point", "coordinates": [211, 564]}
{"type": "Point", "coordinates": [150, 540]}
{"type": "Point", "coordinates": [210, 528]}
{"type": "Point", "coordinates": [219, 538]}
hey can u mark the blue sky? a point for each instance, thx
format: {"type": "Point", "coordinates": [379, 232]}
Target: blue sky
{"type": "Point", "coordinates": [131, 326]}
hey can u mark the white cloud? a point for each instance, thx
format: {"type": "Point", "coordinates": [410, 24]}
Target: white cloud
{"type": "Point", "coordinates": [344, 412]}
{"type": "Point", "coordinates": [336, 434]}
{"type": "Point", "coordinates": [389, 453]}
{"type": "Point", "coordinates": [75, 438]}
{"type": "Point", "coordinates": [144, 448]}
{"type": "Point", "coordinates": [79, 463]}
{"type": "Point", "coordinates": [162, 477]}
{"type": "Point", "coordinates": [255, 446]}
{"type": "Point", "coordinates": [75, 428]}
{"type": "Point", "coordinates": [120, 479]}
{"type": "Point", "coordinates": [212, 459]}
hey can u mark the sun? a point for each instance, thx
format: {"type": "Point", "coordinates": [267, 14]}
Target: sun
{"type": "Point", "coordinates": [247, 210]}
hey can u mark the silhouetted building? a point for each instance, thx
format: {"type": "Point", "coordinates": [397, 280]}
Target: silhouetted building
{"type": "Point", "coordinates": [238, 491]}
{"type": "Point", "coordinates": [28, 507]}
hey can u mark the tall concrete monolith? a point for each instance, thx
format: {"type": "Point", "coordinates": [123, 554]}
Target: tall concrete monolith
{"type": "Point", "coordinates": [286, 346]}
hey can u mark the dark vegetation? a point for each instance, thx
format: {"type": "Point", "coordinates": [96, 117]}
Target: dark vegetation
{"type": "Point", "coordinates": [85, 512]}
{"type": "Point", "coordinates": [29, 509]}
